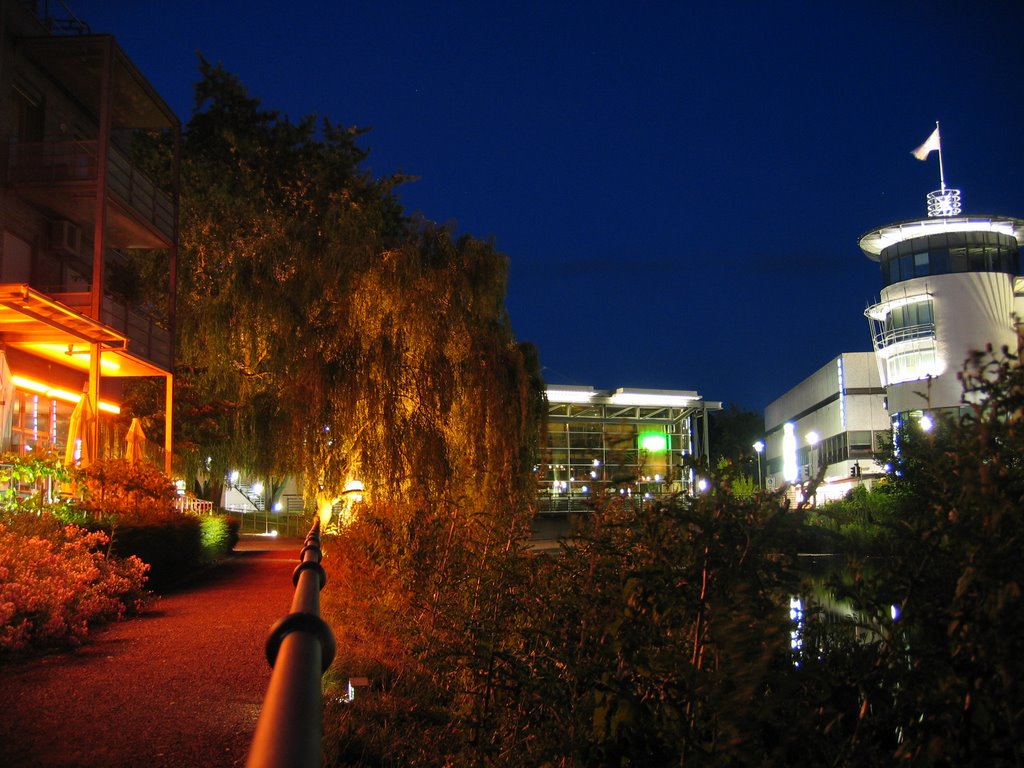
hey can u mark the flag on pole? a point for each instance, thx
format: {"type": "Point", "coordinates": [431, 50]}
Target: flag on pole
{"type": "Point", "coordinates": [932, 143]}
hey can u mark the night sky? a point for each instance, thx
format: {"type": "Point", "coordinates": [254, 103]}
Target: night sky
{"type": "Point", "coordinates": [679, 186]}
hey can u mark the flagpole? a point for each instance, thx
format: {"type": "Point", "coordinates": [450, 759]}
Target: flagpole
{"type": "Point", "coordinates": [942, 175]}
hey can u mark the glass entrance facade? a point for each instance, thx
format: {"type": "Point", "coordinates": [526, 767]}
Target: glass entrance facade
{"type": "Point", "coordinates": [633, 443]}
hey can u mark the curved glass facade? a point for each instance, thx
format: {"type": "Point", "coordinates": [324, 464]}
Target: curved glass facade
{"type": "Point", "coordinates": [948, 252]}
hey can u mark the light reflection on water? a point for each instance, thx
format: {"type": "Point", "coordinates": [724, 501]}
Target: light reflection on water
{"type": "Point", "coordinates": [820, 603]}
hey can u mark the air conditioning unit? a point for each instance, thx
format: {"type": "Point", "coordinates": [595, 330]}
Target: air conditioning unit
{"type": "Point", "coordinates": [65, 238]}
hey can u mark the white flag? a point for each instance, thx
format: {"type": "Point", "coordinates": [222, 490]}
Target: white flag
{"type": "Point", "coordinates": [931, 144]}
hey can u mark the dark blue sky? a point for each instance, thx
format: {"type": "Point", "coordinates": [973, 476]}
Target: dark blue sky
{"type": "Point", "coordinates": [679, 186]}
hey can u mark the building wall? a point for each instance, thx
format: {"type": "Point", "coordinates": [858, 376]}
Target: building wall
{"type": "Point", "coordinates": [67, 103]}
{"type": "Point", "coordinates": [843, 403]}
{"type": "Point", "coordinates": [971, 309]}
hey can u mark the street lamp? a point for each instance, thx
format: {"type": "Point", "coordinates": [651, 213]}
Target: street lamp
{"type": "Point", "coordinates": [759, 447]}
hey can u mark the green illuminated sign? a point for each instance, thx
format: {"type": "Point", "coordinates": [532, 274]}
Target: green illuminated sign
{"type": "Point", "coordinates": [653, 442]}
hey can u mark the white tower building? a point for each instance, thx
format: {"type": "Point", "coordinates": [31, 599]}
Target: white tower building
{"type": "Point", "coordinates": [951, 285]}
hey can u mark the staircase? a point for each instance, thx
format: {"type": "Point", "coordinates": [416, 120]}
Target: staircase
{"type": "Point", "coordinates": [257, 500]}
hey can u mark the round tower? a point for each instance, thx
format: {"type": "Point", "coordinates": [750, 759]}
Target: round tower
{"type": "Point", "coordinates": [951, 285]}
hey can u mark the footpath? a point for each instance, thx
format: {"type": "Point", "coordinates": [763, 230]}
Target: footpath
{"type": "Point", "coordinates": [180, 685]}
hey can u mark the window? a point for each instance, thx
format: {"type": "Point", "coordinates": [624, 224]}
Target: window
{"type": "Point", "coordinates": [910, 316]}
{"type": "Point", "coordinates": [948, 253]}
{"type": "Point", "coordinates": [912, 365]}
{"type": "Point", "coordinates": [28, 108]}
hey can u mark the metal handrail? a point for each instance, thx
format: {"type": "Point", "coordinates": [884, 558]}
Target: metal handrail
{"type": "Point", "coordinates": [890, 337]}
{"type": "Point", "coordinates": [300, 648]}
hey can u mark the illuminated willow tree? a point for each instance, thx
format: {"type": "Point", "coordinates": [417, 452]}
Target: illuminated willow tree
{"type": "Point", "coordinates": [323, 334]}
{"type": "Point", "coordinates": [420, 383]}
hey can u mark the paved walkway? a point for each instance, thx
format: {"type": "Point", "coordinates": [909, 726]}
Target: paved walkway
{"type": "Point", "coordinates": [181, 685]}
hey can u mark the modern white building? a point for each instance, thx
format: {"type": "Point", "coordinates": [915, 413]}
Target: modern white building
{"type": "Point", "coordinates": [832, 423]}
{"type": "Point", "coordinates": [950, 286]}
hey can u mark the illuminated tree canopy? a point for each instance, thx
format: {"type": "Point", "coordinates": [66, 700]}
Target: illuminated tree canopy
{"type": "Point", "coordinates": [334, 336]}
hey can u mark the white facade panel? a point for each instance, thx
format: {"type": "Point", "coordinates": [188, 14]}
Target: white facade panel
{"type": "Point", "coordinates": [972, 309]}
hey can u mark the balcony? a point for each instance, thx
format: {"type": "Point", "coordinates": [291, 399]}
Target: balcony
{"type": "Point", "coordinates": [887, 340]}
{"type": "Point", "coordinates": [63, 176]}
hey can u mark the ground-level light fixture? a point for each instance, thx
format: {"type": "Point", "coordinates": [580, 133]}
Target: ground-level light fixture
{"type": "Point", "coordinates": [354, 490]}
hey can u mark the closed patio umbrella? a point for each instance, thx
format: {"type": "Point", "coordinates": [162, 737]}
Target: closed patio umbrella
{"type": "Point", "coordinates": [136, 442]}
{"type": "Point", "coordinates": [80, 435]}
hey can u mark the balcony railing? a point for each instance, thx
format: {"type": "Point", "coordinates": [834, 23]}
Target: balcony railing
{"type": "Point", "coordinates": [58, 162]}
{"type": "Point", "coordinates": [891, 337]}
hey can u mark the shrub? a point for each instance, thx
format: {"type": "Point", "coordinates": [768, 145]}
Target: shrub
{"type": "Point", "coordinates": [53, 589]}
{"type": "Point", "coordinates": [174, 545]}
{"type": "Point", "coordinates": [32, 483]}
{"type": "Point", "coordinates": [124, 490]}
{"type": "Point", "coordinates": [219, 534]}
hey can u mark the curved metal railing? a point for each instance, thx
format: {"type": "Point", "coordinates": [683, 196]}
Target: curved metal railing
{"type": "Point", "coordinates": [890, 337]}
{"type": "Point", "coordinates": [300, 648]}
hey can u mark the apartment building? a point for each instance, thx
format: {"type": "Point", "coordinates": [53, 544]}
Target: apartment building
{"type": "Point", "coordinates": [75, 211]}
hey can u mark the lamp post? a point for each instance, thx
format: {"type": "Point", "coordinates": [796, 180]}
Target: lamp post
{"type": "Point", "coordinates": [759, 447]}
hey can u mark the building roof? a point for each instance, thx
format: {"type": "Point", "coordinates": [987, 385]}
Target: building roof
{"type": "Point", "coordinates": [877, 240]}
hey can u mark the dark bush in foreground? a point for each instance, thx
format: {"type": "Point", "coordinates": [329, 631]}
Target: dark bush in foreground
{"type": "Point", "coordinates": [175, 546]}
{"type": "Point", "coordinates": [690, 632]}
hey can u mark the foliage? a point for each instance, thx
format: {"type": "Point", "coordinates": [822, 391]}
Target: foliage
{"type": "Point", "coordinates": [948, 669]}
{"type": "Point", "coordinates": [218, 536]}
{"type": "Point", "coordinates": [350, 342]}
{"type": "Point", "coordinates": [30, 483]}
{"type": "Point", "coordinates": [688, 633]}
{"type": "Point", "coordinates": [118, 489]}
{"type": "Point", "coordinates": [633, 646]}
{"type": "Point", "coordinates": [862, 522]}
{"type": "Point", "coordinates": [658, 637]}
{"type": "Point", "coordinates": [52, 589]}
{"type": "Point", "coordinates": [275, 218]}
{"type": "Point", "coordinates": [420, 604]}
{"type": "Point", "coordinates": [171, 546]}
{"type": "Point", "coordinates": [732, 432]}
{"type": "Point", "coordinates": [733, 481]}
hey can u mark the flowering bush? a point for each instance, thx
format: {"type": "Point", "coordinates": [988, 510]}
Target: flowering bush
{"type": "Point", "coordinates": [122, 490]}
{"type": "Point", "coordinates": [52, 589]}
